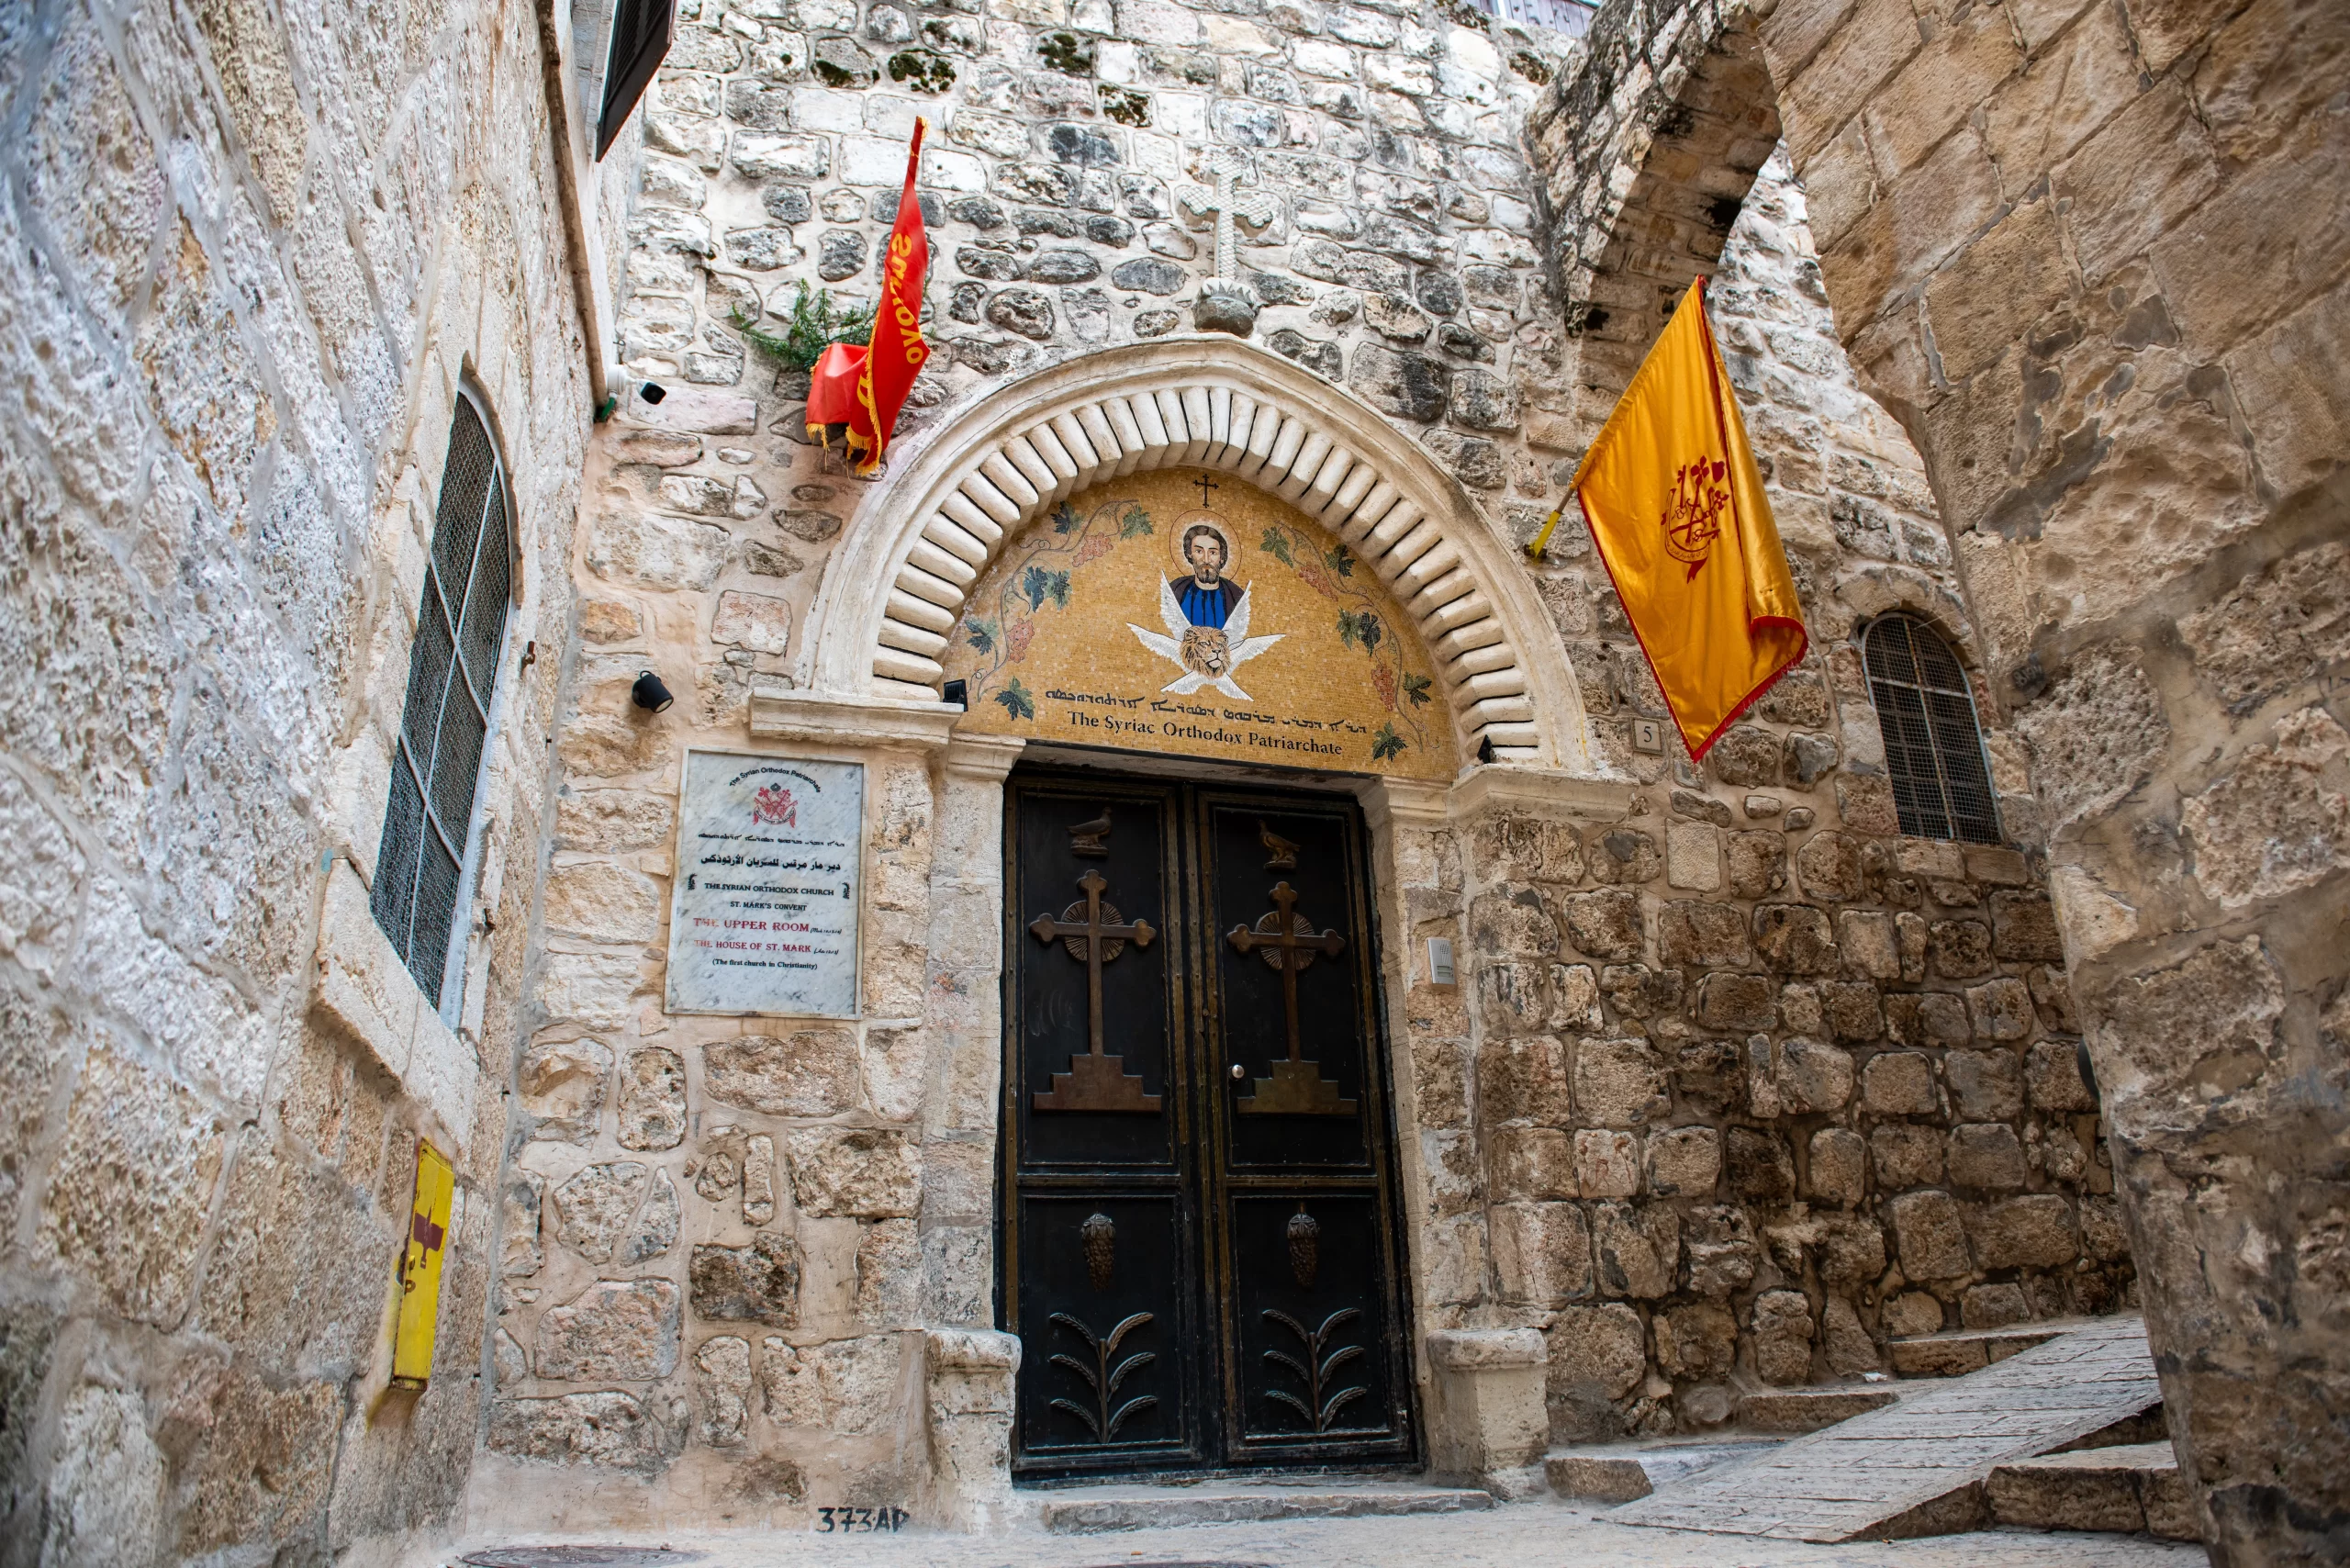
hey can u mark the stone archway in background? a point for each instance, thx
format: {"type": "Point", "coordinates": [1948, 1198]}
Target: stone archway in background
{"type": "Point", "coordinates": [2094, 256]}
{"type": "Point", "coordinates": [1643, 186]}
{"type": "Point", "coordinates": [923, 535]}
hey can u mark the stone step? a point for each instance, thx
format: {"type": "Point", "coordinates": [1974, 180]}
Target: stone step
{"type": "Point", "coordinates": [2148, 1426]}
{"type": "Point", "coordinates": [1917, 1466]}
{"type": "Point", "coordinates": [1959, 1351]}
{"type": "Point", "coordinates": [1794, 1411]}
{"type": "Point", "coordinates": [1086, 1510]}
{"type": "Point", "coordinates": [1619, 1473]}
{"type": "Point", "coordinates": [2135, 1488]}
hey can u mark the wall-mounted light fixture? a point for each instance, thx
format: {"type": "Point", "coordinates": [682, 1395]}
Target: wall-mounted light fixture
{"type": "Point", "coordinates": [648, 693]}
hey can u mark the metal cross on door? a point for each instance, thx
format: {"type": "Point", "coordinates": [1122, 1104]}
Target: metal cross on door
{"type": "Point", "coordinates": [1096, 1081]}
{"type": "Point", "coordinates": [1199, 1244]}
{"type": "Point", "coordinates": [1288, 942]}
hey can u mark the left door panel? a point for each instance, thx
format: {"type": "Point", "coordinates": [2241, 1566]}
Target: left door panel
{"type": "Point", "coordinates": [1102, 1236]}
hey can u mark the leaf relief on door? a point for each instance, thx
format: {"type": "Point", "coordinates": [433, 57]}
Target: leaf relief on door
{"type": "Point", "coordinates": [1318, 1370]}
{"type": "Point", "coordinates": [1103, 1379]}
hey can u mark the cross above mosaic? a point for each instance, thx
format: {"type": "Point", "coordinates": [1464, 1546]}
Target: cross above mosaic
{"type": "Point", "coordinates": [1193, 615]}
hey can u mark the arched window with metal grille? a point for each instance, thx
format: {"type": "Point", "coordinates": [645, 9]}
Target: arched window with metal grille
{"type": "Point", "coordinates": [424, 862]}
{"type": "Point", "coordinates": [1933, 744]}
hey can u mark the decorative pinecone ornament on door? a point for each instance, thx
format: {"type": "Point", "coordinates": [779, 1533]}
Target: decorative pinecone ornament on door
{"type": "Point", "coordinates": [1305, 1247]}
{"type": "Point", "coordinates": [1100, 1235]}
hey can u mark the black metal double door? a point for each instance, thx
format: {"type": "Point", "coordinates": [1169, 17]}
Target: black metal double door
{"type": "Point", "coordinates": [1199, 1250]}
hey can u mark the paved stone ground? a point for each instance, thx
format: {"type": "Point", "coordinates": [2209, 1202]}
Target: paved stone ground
{"type": "Point", "coordinates": [1839, 1483]}
{"type": "Point", "coordinates": [1097, 1510]}
{"type": "Point", "coordinates": [1524, 1535]}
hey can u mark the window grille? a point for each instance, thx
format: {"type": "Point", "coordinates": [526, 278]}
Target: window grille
{"type": "Point", "coordinates": [1933, 745]}
{"type": "Point", "coordinates": [451, 674]}
{"type": "Point", "coordinates": [640, 41]}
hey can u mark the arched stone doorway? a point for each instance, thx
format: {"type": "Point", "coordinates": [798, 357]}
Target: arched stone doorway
{"type": "Point", "coordinates": [1047, 465]}
{"type": "Point", "coordinates": [1197, 1191]}
{"type": "Point", "coordinates": [1223, 405]}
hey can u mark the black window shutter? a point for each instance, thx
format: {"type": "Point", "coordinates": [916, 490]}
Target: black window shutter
{"type": "Point", "coordinates": [1933, 743]}
{"type": "Point", "coordinates": [641, 31]}
{"type": "Point", "coordinates": [444, 724]}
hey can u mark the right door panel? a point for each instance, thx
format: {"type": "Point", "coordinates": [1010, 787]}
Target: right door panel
{"type": "Point", "coordinates": [1313, 1319]}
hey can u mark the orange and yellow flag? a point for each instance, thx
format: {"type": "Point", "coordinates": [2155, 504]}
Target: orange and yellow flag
{"type": "Point", "coordinates": [1677, 510]}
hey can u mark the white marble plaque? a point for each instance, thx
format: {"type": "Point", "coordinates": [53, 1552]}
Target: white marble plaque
{"type": "Point", "coordinates": [763, 912]}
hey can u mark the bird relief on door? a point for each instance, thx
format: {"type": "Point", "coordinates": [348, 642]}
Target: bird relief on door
{"type": "Point", "coordinates": [1191, 614]}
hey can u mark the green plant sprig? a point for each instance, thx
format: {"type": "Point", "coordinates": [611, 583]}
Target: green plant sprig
{"type": "Point", "coordinates": [813, 325]}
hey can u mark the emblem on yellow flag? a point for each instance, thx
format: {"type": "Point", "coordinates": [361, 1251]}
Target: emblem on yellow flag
{"type": "Point", "coordinates": [1677, 510]}
{"type": "Point", "coordinates": [427, 1236]}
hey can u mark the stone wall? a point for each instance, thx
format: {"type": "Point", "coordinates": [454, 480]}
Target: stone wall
{"type": "Point", "coordinates": [723, 1236]}
{"type": "Point", "coordinates": [1068, 189]}
{"type": "Point", "coordinates": [249, 252]}
{"type": "Point", "coordinates": [2118, 338]}
{"type": "Point", "coordinates": [627, 1351]}
{"type": "Point", "coordinates": [2058, 245]}
{"type": "Point", "coordinates": [763, 162]}
{"type": "Point", "coordinates": [1751, 1095]}
{"type": "Point", "coordinates": [1742, 1083]}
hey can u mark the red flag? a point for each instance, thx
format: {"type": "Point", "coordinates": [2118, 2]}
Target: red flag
{"type": "Point", "coordinates": [895, 356]}
{"type": "Point", "coordinates": [832, 388]}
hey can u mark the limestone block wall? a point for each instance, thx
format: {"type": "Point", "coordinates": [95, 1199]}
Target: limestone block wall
{"type": "Point", "coordinates": [2057, 246]}
{"type": "Point", "coordinates": [729, 1245]}
{"type": "Point", "coordinates": [2120, 346]}
{"type": "Point", "coordinates": [722, 1237]}
{"type": "Point", "coordinates": [1068, 170]}
{"type": "Point", "coordinates": [249, 253]}
{"type": "Point", "coordinates": [1744, 1086]}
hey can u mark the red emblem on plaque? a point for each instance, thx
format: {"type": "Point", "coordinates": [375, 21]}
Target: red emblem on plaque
{"type": "Point", "coordinates": [774, 804]}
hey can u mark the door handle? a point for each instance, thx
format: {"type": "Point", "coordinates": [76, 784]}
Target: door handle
{"type": "Point", "coordinates": [1239, 1073]}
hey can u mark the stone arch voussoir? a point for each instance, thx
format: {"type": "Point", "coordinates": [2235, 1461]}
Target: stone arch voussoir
{"type": "Point", "coordinates": [1645, 155]}
{"type": "Point", "coordinates": [923, 535]}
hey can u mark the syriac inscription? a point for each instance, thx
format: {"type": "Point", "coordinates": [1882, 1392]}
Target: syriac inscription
{"type": "Point", "coordinates": [763, 912]}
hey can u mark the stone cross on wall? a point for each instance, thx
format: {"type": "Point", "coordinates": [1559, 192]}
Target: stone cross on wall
{"type": "Point", "coordinates": [1224, 303]}
{"type": "Point", "coordinates": [1256, 207]}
